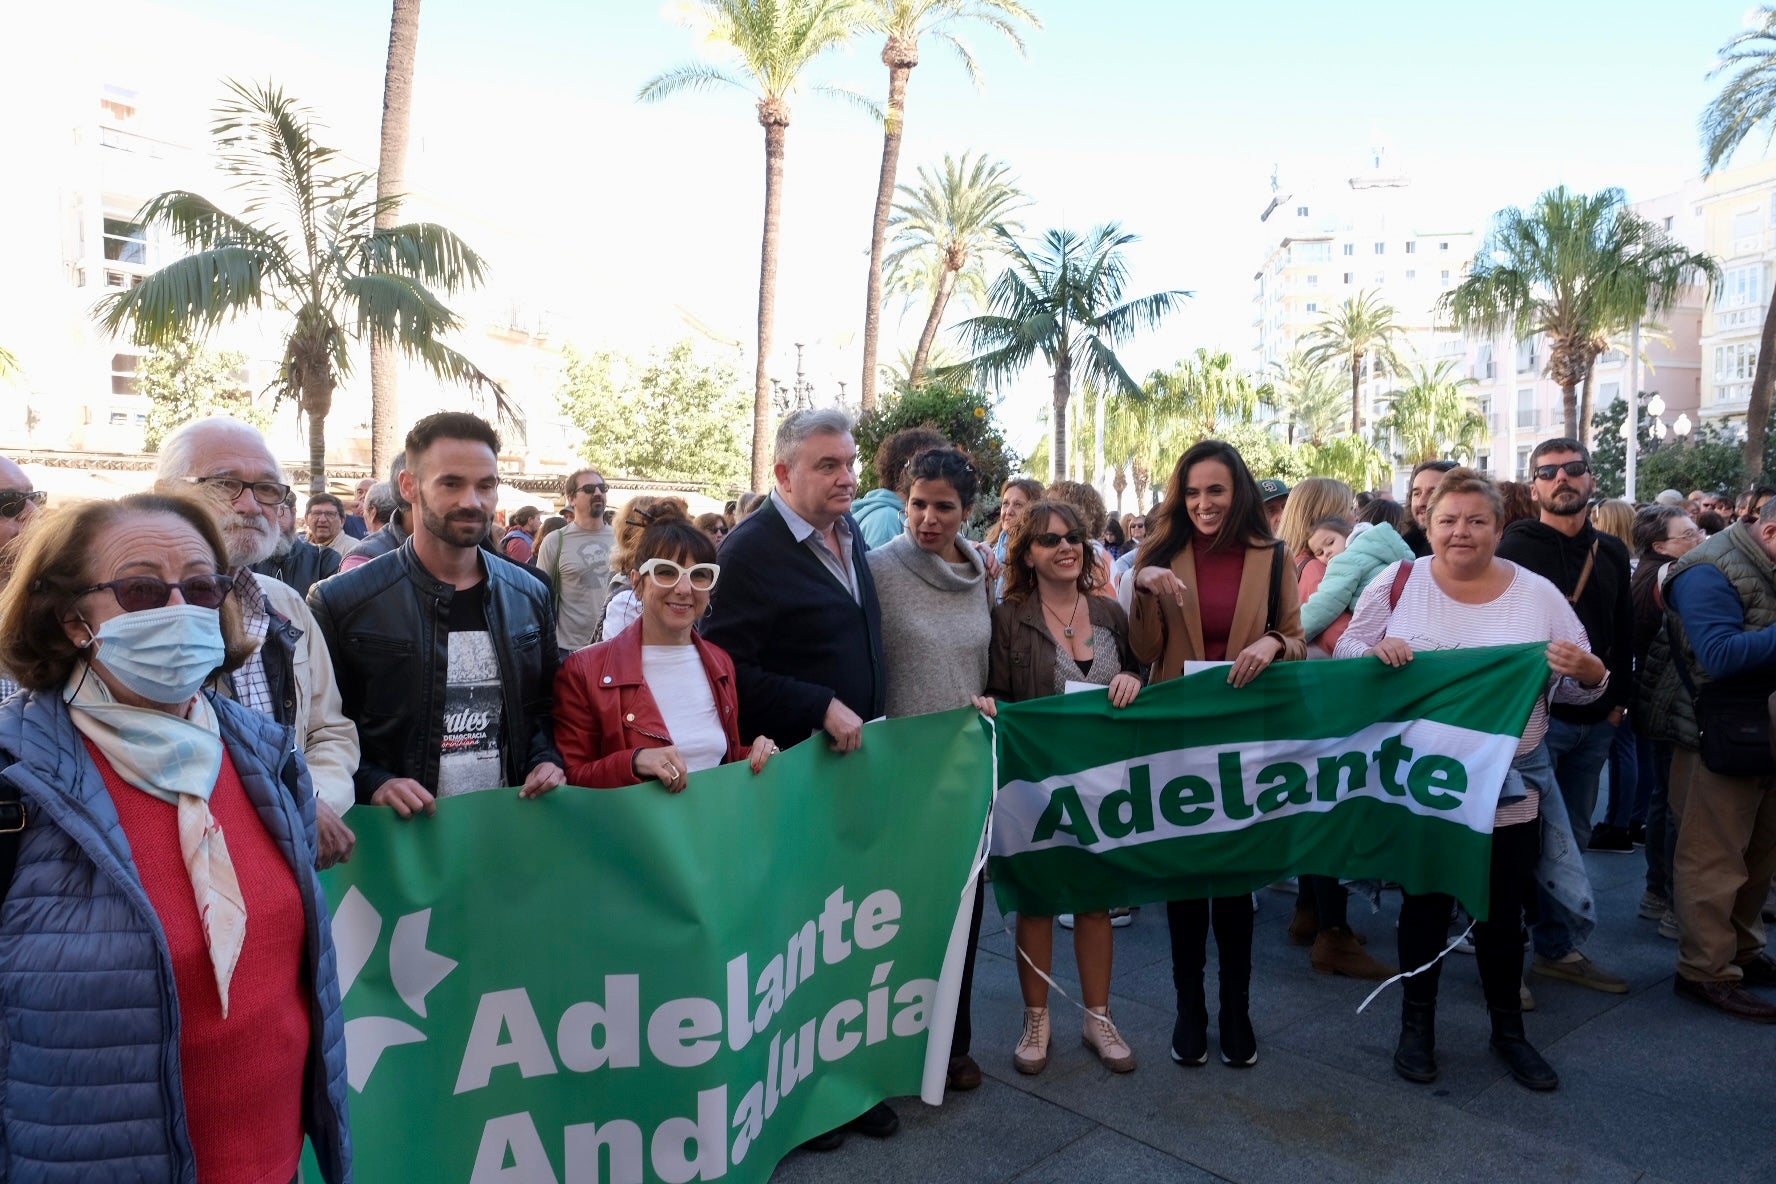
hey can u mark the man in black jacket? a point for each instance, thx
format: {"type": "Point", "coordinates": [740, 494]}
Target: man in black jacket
{"type": "Point", "coordinates": [797, 611]}
{"type": "Point", "coordinates": [297, 562]}
{"type": "Point", "coordinates": [1425, 475]}
{"type": "Point", "coordinates": [446, 656]}
{"type": "Point", "coordinates": [1590, 568]}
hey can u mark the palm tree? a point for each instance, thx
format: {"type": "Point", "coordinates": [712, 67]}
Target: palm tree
{"type": "Point", "coordinates": [903, 23]}
{"type": "Point", "coordinates": [1063, 300]}
{"type": "Point", "coordinates": [1307, 400]}
{"type": "Point", "coordinates": [391, 175]}
{"type": "Point", "coordinates": [1745, 103]}
{"type": "Point", "coordinates": [774, 42]}
{"type": "Point", "coordinates": [943, 228]}
{"type": "Point", "coordinates": [1573, 268]}
{"type": "Point", "coordinates": [1432, 417]}
{"type": "Point", "coordinates": [1362, 327]}
{"type": "Point", "coordinates": [305, 241]}
{"type": "Point", "coordinates": [8, 363]}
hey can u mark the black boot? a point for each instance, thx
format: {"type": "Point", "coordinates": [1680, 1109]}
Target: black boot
{"type": "Point", "coordinates": [1239, 1044]}
{"type": "Point", "coordinates": [1190, 1035]}
{"type": "Point", "coordinates": [1525, 1063]}
{"type": "Point", "coordinates": [1415, 1057]}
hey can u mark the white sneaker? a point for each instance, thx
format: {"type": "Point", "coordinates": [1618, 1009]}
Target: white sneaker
{"type": "Point", "coordinates": [1121, 918]}
{"type": "Point", "coordinates": [1066, 920]}
{"type": "Point", "coordinates": [1031, 1054]}
{"type": "Point", "coordinates": [1101, 1036]}
{"type": "Point", "coordinates": [1465, 945]}
{"type": "Point", "coordinates": [1668, 925]}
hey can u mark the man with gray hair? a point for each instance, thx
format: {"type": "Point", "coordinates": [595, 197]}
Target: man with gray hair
{"type": "Point", "coordinates": [796, 609]}
{"type": "Point", "coordinates": [289, 676]}
{"type": "Point", "coordinates": [394, 529]}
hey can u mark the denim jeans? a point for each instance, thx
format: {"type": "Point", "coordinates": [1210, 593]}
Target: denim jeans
{"type": "Point", "coordinates": [1661, 824]}
{"type": "Point", "coordinates": [1578, 752]}
{"type": "Point", "coordinates": [1627, 804]}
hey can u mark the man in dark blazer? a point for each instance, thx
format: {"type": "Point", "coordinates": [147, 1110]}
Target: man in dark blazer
{"type": "Point", "coordinates": [796, 609]}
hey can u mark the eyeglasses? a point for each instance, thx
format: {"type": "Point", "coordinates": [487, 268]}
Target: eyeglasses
{"type": "Point", "coordinates": [1049, 538]}
{"type": "Point", "coordinates": [266, 493]}
{"type": "Point", "coordinates": [1692, 535]}
{"type": "Point", "coordinates": [1572, 468]}
{"type": "Point", "coordinates": [599, 488]}
{"type": "Point", "coordinates": [14, 501]}
{"type": "Point", "coordinates": [138, 593]}
{"type": "Point", "coordinates": [666, 574]}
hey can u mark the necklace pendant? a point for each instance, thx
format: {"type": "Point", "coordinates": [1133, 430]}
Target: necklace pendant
{"type": "Point", "coordinates": [1067, 632]}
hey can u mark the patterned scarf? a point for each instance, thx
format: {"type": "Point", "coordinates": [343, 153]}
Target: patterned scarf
{"type": "Point", "coordinates": [176, 760]}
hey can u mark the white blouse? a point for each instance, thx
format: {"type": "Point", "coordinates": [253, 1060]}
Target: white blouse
{"type": "Point", "coordinates": [679, 684]}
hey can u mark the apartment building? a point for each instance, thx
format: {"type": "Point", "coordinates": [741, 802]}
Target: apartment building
{"type": "Point", "coordinates": [1366, 235]}
{"type": "Point", "coordinates": [1736, 212]}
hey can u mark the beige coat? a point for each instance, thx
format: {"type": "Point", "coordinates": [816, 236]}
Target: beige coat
{"type": "Point", "coordinates": [1166, 636]}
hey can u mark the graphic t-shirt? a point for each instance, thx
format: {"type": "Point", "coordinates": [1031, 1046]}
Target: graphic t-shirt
{"type": "Point", "coordinates": [576, 562]}
{"type": "Point", "coordinates": [472, 701]}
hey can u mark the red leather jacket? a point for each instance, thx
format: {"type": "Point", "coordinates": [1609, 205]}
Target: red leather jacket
{"type": "Point", "coordinates": [605, 714]}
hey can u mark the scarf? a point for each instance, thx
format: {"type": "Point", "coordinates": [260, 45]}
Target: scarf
{"type": "Point", "coordinates": [175, 760]}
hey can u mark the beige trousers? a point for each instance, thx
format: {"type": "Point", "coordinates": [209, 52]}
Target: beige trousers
{"type": "Point", "coordinates": [1726, 855]}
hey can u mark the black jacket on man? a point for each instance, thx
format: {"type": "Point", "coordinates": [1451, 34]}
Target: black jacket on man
{"type": "Point", "coordinates": [303, 567]}
{"type": "Point", "coordinates": [1605, 608]}
{"type": "Point", "coordinates": [797, 637]}
{"type": "Point", "coordinates": [384, 623]}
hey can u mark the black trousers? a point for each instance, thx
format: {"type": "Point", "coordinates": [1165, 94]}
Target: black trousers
{"type": "Point", "coordinates": [1326, 898]}
{"type": "Point", "coordinates": [963, 1033]}
{"type": "Point", "coordinates": [1189, 922]}
{"type": "Point", "coordinates": [1498, 940]}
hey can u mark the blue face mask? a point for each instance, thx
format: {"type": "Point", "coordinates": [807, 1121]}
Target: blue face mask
{"type": "Point", "coordinates": [162, 654]}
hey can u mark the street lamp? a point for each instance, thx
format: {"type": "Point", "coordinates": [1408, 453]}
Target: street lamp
{"type": "Point", "coordinates": [1682, 426]}
{"type": "Point", "coordinates": [1656, 406]}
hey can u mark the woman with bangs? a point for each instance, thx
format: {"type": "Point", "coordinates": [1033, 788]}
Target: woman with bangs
{"type": "Point", "coordinates": [1052, 630]}
{"type": "Point", "coordinates": [656, 702]}
{"type": "Point", "coordinates": [1212, 584]}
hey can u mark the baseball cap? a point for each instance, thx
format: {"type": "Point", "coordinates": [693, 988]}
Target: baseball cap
{"type": "Point", "coordinates": [1272, 489]}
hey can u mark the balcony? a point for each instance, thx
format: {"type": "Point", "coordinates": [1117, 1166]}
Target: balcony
{"type": "Point", "coordinates": [1731, 394]}
{"type": "Point", "coordinates": [1749, 317]}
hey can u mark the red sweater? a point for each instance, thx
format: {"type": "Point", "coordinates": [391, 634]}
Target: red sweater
{"type": "Point", "coordinates": [242, 1077]}
{"type": "Point", "coordinates": [1217, 592]}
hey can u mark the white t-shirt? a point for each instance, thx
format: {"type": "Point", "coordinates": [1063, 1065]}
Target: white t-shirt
{"type": "Point", "coordinates": [679, 684]}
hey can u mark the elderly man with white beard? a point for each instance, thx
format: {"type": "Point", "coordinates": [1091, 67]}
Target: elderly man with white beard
{"type": "Point", "coordinates": [290, 676]}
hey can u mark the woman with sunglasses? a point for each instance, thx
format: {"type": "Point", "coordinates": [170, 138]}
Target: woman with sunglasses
{"type": "Point", "coordinates": [656, 702]}
{"type": "Point", "coordinates": [1050, 631]}
{"type": "Point", "coordinates": [1213, 584]}
{"type": "Point", "coordinates": [165, 949]}
{"type": "Point", "coordinates": [937, 618]}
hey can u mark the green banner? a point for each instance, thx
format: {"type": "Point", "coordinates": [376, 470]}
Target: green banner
{"type": "Point", "coordinates": [635, 985]}
{"type": "Point", "coordinates": [1350, 769]}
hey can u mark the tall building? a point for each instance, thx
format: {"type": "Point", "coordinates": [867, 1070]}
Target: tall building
{"type": "Point", "coordinates": [1736, 210]}
{"type": "Point", "coordinates": [1366, 235]}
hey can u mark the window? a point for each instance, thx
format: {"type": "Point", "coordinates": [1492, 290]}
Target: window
{"type": "Point", "coordinates": [1411, 274]}
{"type": "Point", "coordinates": [1526, 355]}
{"type": "Point", "coordinates": [1348, 277]}
{"type": "Point", "coordinates": [1741, 286]}
{"type": "Point", "coordinates": [1735, 363]}
{"type": "Point", "coordinates": [1772, 216]}
{"type": "Point", "coordinates": [1483, 462]}
{"type": "Point", "coordinates": [126, 242]}
{"type": "Point", "coordinates": [1381, 248]}
{"type": "Point", "coordinates": [1483, 363]}
{"type": "Point", "coordinates": [1301, 211]}
{"type": "Point", "coordinates": [1312, 307]}
{"type": "Point", "coordinates": [1526, 409]}
{"type": "Point", "coordinates": [123, 373]}
{"type": "Point", "coordinates": [1608, 393]}
{"type": "Point", "coordinates": [1442, 246]}
{"type": "Point", "coordinates": [1381, 279]}
{"type": "Point", "coordinates": [1412, 248]}
{"type": "Point", "coordinates": [1746, 223]}
{"type": "Point", "coordinates": [1350, 248]}
{"type": "Point", "coordinates": [1310, 253]}
{"type": "Point", "coordinates": [1443, 278]}
{"type": "Point", "coordinates": [1523, 463]}
{"type": "Point", "coordinates": [1313, 281]}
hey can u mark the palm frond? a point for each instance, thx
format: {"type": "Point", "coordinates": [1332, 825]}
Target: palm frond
{"type": "Point", "coordinates": [426, 252]}
{"type": "Point", "coordinates": [694, 77]}
{"type": "Point", "coordinates": [856, 98]}
{"type": "Point", "coordinates": [187, 298]}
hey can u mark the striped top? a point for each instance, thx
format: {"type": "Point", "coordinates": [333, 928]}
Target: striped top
{"type": "Point", "coordinates": [1530, 609]}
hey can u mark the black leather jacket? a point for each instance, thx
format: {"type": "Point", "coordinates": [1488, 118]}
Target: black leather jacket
{"type": "Point", "coordinates": [383, 623]}
{"type": "Point", "coordinates": [305, 566]}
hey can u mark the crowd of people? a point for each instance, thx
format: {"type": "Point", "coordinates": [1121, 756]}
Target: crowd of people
{"type": "Point", "coordinates": [197, 695]}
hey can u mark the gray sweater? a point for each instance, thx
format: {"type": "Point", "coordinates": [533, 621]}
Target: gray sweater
{"type": "Point", "coordinates": [937, 622]}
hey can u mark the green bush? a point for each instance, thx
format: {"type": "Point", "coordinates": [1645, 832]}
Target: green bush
{"type": "Point", "coordinates": [966, 418]}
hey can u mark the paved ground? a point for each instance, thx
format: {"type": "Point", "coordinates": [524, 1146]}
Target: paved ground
{"type": "Point", "coordinates": [1653, 1088]}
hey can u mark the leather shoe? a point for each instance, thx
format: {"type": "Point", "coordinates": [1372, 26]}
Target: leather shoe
{"type": "Point", "coordinates": [1759, 972]}
{"type": "Point", "coordinates": [878, 1122]}
{"type": "Point", "coordinates": [830, 1141]}
{"type": "Point", "coordinates": [1730, 998]}
{"type": "Point", "coordinates": [964, 1073]}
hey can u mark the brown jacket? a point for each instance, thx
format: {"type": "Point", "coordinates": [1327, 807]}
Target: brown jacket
{"type": "Point", "coordinates": [1166, 636]}
{"type": "Point", "coordinates": [1021, 657]}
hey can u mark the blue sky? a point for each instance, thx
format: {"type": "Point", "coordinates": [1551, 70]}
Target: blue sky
{"type": "Point", "coordinates": [1166, 116]}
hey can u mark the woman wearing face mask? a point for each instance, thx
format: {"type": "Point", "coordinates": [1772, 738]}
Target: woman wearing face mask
{"type": "Point", "coordinates": [656, 702]}
{"type": "Point", "coordinates": [937, 618]}
{"type": "Point", "coordinates": [164, 901]}
{"type": "Point", "coordinates": [1213, 584]}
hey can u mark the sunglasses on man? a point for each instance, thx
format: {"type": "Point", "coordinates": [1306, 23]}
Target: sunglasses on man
{"type": "Point", "coordinates": [1572, 468]}
{"type": "Point", "coordinates": [597, 488]}
{"type": "Point", "coordinates": [14, 501]}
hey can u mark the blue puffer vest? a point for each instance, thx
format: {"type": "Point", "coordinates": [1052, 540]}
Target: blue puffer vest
{"type": "Point", "coordinates": [89, 1016]}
